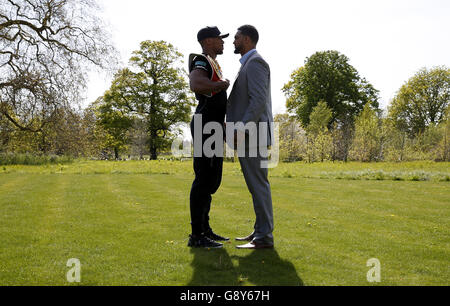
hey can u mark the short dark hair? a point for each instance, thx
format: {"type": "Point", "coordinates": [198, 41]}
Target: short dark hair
{"type": "Point", "coordinates": [250, 31]}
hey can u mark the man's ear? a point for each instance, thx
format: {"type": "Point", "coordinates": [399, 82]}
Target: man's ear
{"type": "Point", "coordinates": [207, 41]}
{"type": "Point", "coordinates": [204, 42]}
{"type": "Point", "coordinates": [248, 41]}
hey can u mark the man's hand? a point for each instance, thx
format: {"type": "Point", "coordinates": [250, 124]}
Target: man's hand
{"type": "Point", "coordinates": [222, 85]}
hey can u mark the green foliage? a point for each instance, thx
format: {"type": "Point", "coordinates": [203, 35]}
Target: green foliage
{"type": "Point", "coordinates": [319, 149]}
{"type": "Point", "coordinates": [430, 144]}
{"type": "Point", "coordinates": [427, 143]}
{"type": "Point", "coordinates": [373, 139]}
{"type": "Point", "coordinates": [421, 101]}
{"type": "Point", "coordinates": [319, 138]}
{"type": "Point", "coordinates": [71, 133]}
{"type": "Point", "coordinates": [17, 141]}
{"type": "Point", "coordinates": [366, 144]}
{"type": "Point", "coordinates": [114, 122]}
{"type": "Point", "coordinates": [68, 132]}
{"type": "Point", "coordinates": [328, 76]}
{"type": "Point", "coordinates": [319, 119]}
{"type": "Point", "coordinates": [157, 93]}
{"type": "Point", "coordinates": [292, 138]}
{"type": "Point", "coordinates": [444, 145]}
{"type": "Point", "coordinates": [395, 142]}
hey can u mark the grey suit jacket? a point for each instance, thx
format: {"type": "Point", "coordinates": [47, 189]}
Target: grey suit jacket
{"type": "Point", "coordinates": [250, 99]}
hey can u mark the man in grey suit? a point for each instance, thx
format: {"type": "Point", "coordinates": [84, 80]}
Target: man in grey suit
{"type": "Point", "coordinates": [249, 113]}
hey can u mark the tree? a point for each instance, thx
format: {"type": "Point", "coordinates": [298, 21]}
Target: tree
{"type": "Point", "coordinates": [138, 138]}
{"type": "Point", "coordinates": [444, 145]}
{"type": "Point", "coordinates": [92, 134]}
{"type": "Point", "coordinates": [342, 134]}
{"type": "Point", "coordinates": [421, 101]}
{"type": "Point", "coordinates": [6, 133]}
{"type": "Point", "coordinates": [157, 92]}
{"type": "Point", "coordinates": [394, 146]}
{"type": "Point", "coordinates": [366, 143]}
{"type": "Point", "coordinates": [292, 138]}
{"type": "Point", "coordinates": [71, 132]}
{"type": "Point", "coordinates": [328, 76]}
{"type": "Point", "coordinates": [319, 118]}
{"type": "Point", "coordinates": [46, 49]}
{"type": "Point", "coordinates": [115, 122]}
{"type": "Point", "coordinates": [319, 138]}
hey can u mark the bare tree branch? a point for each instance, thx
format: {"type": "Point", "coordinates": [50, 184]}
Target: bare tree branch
{"type": "Point", "coordinates": [46, 49]}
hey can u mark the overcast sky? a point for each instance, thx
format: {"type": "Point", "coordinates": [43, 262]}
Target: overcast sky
{"type": "Point", "coordinates": [387, 41]}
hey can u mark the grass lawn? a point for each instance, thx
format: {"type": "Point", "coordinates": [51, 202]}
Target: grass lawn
{"type": "Point", "coordinates": [128, 224]}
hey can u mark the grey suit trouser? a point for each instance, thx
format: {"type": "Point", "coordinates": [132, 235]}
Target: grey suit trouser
{"type": "Point", "coordinates": [258, 184]}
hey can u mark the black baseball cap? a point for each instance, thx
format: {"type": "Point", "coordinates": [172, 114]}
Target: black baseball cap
{"type": "Point", "coordinates": [210, 32]}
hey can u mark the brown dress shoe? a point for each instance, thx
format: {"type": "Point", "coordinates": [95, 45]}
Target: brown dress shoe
{"type": "Point", "coordinates": [255, 245]}
{"type": "Point", "coordinates": [248, 238]}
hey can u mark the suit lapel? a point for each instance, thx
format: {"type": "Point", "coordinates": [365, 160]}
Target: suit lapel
{"type": "Point", "coordinates": [243, 66]}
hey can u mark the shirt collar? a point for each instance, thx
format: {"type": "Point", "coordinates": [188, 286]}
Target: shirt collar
{"type": "Point", "coordinates": [246, 56]}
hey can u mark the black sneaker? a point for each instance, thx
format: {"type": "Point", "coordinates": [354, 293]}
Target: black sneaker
{"type": "Point", "coordinates": [203, 242]}
{"type": "Point", "coordinates": [211, 235]}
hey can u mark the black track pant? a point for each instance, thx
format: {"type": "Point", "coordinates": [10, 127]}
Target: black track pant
{"type": "Point", "coordinates": [208, 176]}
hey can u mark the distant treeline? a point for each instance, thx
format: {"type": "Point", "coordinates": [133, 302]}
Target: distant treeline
{"type": "Point", "coordinates": [333, 112]}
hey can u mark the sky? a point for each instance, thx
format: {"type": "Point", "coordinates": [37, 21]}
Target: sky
{"type": "Point", "coordinates": [387, 41]}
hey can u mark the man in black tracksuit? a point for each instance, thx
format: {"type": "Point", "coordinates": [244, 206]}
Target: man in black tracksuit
{"type": "Point", "coordinates": [210, 90]}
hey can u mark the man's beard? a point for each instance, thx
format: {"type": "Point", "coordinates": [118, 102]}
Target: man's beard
{"type": "Point", "coordinates": [219, 50]}
{"type": "Point", "coordinates": [237, 50]}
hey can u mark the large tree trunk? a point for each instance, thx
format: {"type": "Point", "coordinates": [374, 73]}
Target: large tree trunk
{"type": "Point", "coordinates": [116, 153]}
{"type": "Point", "coordinates": [153, 154]}
{"type": "Point", "coordinates": [43, 144]}
{"type": "Point", "coordinates": [153, 148]}
{"type": "Point", "coordinates": [403, 146]}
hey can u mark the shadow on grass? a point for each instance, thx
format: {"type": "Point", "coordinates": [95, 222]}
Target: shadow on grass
{"type": "Point", "coordinates": [260, 268]}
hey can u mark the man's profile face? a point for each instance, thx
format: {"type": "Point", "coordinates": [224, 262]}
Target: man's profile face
{"type": "Point", "coordinates": [216, 44]}
{"type": "Point", "coordinates": [238, 42]}
{"type": "Point", "coordinates": [219, 45]}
